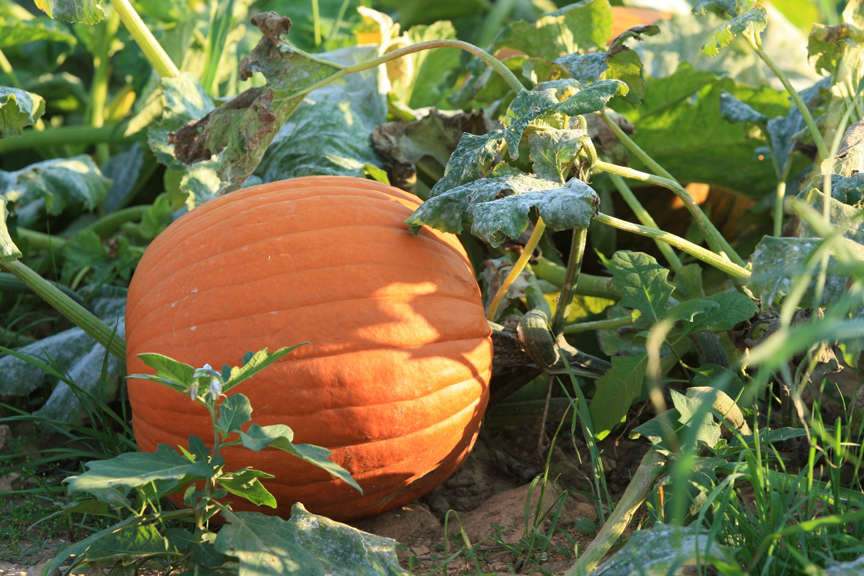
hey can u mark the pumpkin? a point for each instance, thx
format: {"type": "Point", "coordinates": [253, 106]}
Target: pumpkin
{"type": "Point", "coordinates": [624, 18]}
{"type": "Point", "coordinates": [394, 380]}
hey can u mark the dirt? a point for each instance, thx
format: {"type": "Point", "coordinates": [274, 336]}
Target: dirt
{"type": "Point", "coordinates": [496, 515]}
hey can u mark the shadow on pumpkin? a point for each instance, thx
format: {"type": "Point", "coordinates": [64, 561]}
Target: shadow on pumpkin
{"type": "Point", "coordinates": [395, 376]}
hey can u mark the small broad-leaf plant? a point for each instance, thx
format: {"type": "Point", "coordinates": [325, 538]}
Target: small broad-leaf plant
{"type": "Point", "coordinates": [129, 490]}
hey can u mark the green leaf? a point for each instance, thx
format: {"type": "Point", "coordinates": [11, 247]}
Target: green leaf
{"type": "Point", "coordinates": [579, 26]}
{"type": "Point", "coordinates": [135, 469]}
{"type": "Point", "coordinates": [130, 544]}
{"type": "Point", "coordinates": [688, 105]}
{"type": "Point", "coordinates": [737, 111]}
{"type": "Point", "coordinates": [784, 131]}
{"type": "Point", "coordinates": [531, 105]}
{"type": "Point", "coordinates": [234, 412]}
{"type": "Point", "coordinates": [553, 152]}
{"type": "Point", "coordinates": [841, 214]}
{"type": "Point", "coordinates": [79, 548]}
{"type": "Point", "coordinates": [730, 308]}
{"type": "Point", "coordinates": [476, 156]}
{"type": "Point", "coordinates": [18, 109]}
{"type": "Point", "coordinates": [17, 31]}
{"type": "Point", "coordinates": [256, 362]}
{"type": "Point", "coordinates": [280, 436]}
{"type": "Point", "coordinates": [426, 83]}
{"type": "Point", "coordinates": [642, 283]}
{"type": "Point", "coordinates": [827, 45]}
{"type": "Point", "coordinates": [572, 205]}
{"type": "Point", "coordinates": [665, 550]}
{"type": "Point", "coordinates": [183, 100]}
{"type": "Point", "coordinates": [724, 8]}
{"type": "Point", "coordinates": [777, 262]}
{"type": "Point", "coordinates": [304, 545]}
{"type": "Point", "coordinates": [750, 23]}
{"type": "Point", "coordinates": [329, 132]}
{"type": "Point", "coordinates": [616, 392]}
{"type": "Point", "coordinates": [83, 11]}
{"type": "Point", "coordinates": [246, 484]}
{"type": "Point", "coordinates": [168, 368]}
{"type": "Point", "coordinates": [69, 356]}
{"type": "Point", "coordinates": [706, 431]}
{"type": "Point", "coordinates": [58, 186]}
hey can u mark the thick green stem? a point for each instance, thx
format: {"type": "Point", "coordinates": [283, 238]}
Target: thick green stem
{"type": "Point", "coordinates": [101, 73]}
{"type": "Point", "coordinates": [796, 98]}
{"type": "Point", "coordinates": [574, 264]}
{"type": "Point", "coordinates": [637, 491]}
{"type": "Point", "coordinates": [713, 237]}
{"type": "Point", "coordinates": [139, 31]}
{"type": "Point", "coordinates": [517, 269]}
{"type": "Point", "coordinates": [102, 227]}
{"type": "Point", "coordinates": [586, 284]}
{"type": "Point", "coordinates": [707, 256]}
{"type": "Point", "coordinates": [69, 308]}
{"type": "Point", "coordinates": [62, 135]}
{"type": "Point", "coordinates": [35, 240]}
{"type": "Point", "coordinates": [633, 147]}
{"type": "Point", "coordinates": [645, 218]}
{"type": "Point", "coordinates": [594, 325]}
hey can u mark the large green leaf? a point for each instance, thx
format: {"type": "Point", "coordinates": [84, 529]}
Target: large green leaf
{"type": "Point", "coordinates": [681, 124]}
{"type": "Point", "coordinates": [246, 483]}
{"type": "Point", "coordinates": [135, 469]}
{"type": "Point", "coordinates": [61, 185]}
{"type": "Point", "coordinates": [616, 392]}
{"type": "Point", "coordinates": [133, 543]}
{"type": "Point", "coordinates": [499, 208]}
{"type": "Point", "coordinates": [579, 26]}
{"type": "Point", "coordinates": [18, 31]}
{"type": "Point", "coordinates": [18, 109]}
{"type": "Point", "coordinates": [664, 550]}
{"type": "Point", "coordinates": [424, 78]}
{"type": "Point", "coordinates": [234, 412]}
{"type": "Point", "coordinates": [69, 356]}
{"type": "Point", "coordinates": [475, 156]}
{"type": "Point", "coordinates": [329, 133]}
{"type": "Point", "coordinates": [304, 545]}
{"type": "Point", "coordinates": [642, 283]}
{"type": "Point", "coordinates": [280, 437]}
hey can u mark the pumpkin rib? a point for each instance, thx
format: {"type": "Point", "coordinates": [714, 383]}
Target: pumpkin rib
{"type": "Point", "coordinates": [204, 262]}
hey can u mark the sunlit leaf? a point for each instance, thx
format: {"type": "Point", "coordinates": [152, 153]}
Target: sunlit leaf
{"type": "Point", "coordinates": [18, 109]}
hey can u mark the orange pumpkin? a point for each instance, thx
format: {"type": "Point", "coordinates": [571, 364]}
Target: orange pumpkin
{"type": "Point", "coordinates": [395, 378]}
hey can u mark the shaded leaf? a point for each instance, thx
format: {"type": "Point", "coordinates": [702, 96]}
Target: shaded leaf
{"type": "Point", "coordinates": [306, 545]}
{"type": "Point", "coordinates": [750, 23]}
{"type": "Point", "coordinates": [246, 483]}
{"type": "Point", "coordinates": [476, 156]}
{"type": "Point", "coordinates": [18, 109]}
{"type": "Point", "coordinates": [572, 205]}
{"type": "Point", "coordinates": [706, 431]}
{"type": "Point", "coordinates": [664, 550]}
{"type": "Point", "coordinates": [280, 437]}
{"type": "Point", "coordinates": [234, 412]}
{"type": "Point", "coordinates": [737, 111]}
{"type": "Point", "coordinates": [777, 262]}
{"type": "Point", "coordinates": [134, 469]}
{"type": "Point", "coordinates": [580, 26]}
{"type": "Point", "coordinates": [83, 11]}
{"type": "Point", "coordinates": [553, 152]}
{"type": "Point", "coordinates": [329, 132]}
{"type": "Point", "coordinates": [17, 31]}
{"type": "Point", "coordinates": [133, 543]}
{"type": "Point", "coordinates": [616, 391]}
{"type": "Point", "coordinates": [642, 282]}
{"type": "Point", "coordinates": [434, 135]}
{"type": "Point", "coordinates": [785, 131]}
{"type": "Point", "coordinates": [61, 185]}
{"type": "Point", "coordinates": [729, 309]}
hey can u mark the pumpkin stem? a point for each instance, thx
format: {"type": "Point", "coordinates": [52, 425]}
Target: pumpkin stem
{"type": "Point", "coordinates": [574, 264]}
